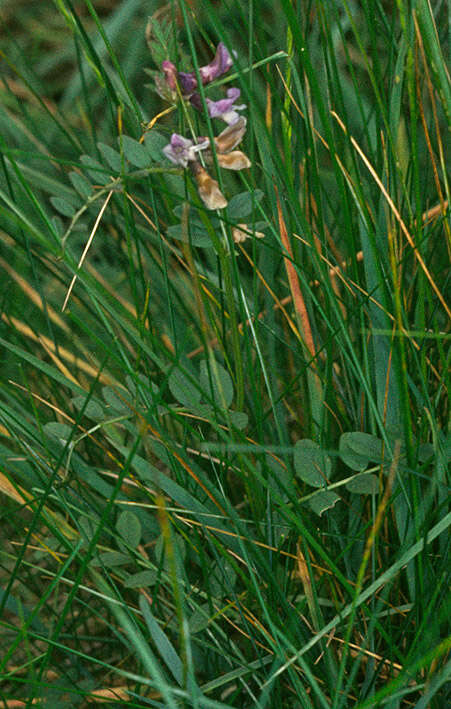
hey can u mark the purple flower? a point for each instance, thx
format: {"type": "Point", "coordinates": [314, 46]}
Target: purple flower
{"type": "Point", "coordinates": [219, 66]}
{"type": "Point", "coordinates": [187, 80]}
{"type": "Point", "coordinates": [170, 74]}
{"type": "Point", "coordinates": [181, 150]}
{"type": "Point", "coordinates": [226, 107]}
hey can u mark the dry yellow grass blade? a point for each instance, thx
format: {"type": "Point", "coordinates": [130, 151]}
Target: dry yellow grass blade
{"type": "Point", "coordinates": [27, 499]}
{"type": "Point", "coordinates": [304, 575]}
{"type": "Point", "coordinates": [381, 187]}
{"type": "Point", "coordinates": [10, 490]}
{"type": "Point", "coordinates": [351, 285]}
{"type": "Point", "coordinates": [419, 76]}
{"type": "Point", "coordinates": [62, 352]}
{"type": "Point", "coordinates": [395, 212]}
{"type": "Point", "coordinates": [293, 280]}
{"type": "Point", "coordinates": [110, 694]}
{"type": "Point", "coordinates": [154, 120]}
{"type": "Point", "coordinates": [86, 249]}
{"type": "Point", "coordinates": [34, 296]}
{"type": "Point", "coordinates": [277, 302]}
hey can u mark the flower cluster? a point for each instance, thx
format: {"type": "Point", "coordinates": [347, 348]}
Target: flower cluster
{"type": "Point", "coordinates": [184, 151]}
{"type": "Point", "coordinates": [188, 82]}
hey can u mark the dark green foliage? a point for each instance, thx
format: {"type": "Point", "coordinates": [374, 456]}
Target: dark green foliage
{"type": "Point", "coordinates": [224, 467]}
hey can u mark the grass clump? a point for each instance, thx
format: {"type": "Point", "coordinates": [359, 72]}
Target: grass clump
{"type": "Point", "coordinates": [224, 423]}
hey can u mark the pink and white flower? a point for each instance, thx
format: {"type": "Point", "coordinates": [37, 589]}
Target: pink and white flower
{"type": "Point", "coordinates": [187, 80]}
{"type": "Point", "coordinates": [225, 108]}
{"type": "Point", "coordinates": [182, 150]}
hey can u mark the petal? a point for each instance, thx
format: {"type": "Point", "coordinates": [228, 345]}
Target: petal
{"type": "Point", "coordinates": [216, 109]}
{"type": "Point", "coordinates": [178, 141]}
{"type": "Point", "coordinates": [236, 160]}
{"type": "Point", "coordinates": [208, 188]}
{"type": "Point", "coordinates": [179, 150]}
{"type": "Point", "coordinates": [241, 232]}
{"type": "Point", "coordinates": [202, 144]}
{"type": "Point", "coordinates": [224, 108]}
{"type": "Point", "coordinates": [231, 117]}
{"type": "Point", "coordinates": [170, 74]}
{"type": "Point", "coordinates": [233, 93]}
{"type": "Point", "coordinates": [188, 82]}
{"type": "Point", "coordinates": [196, 101]}
{"type": "Point", "coordinates": [231, 136]}
{"type": "Point", "coordinates": [174, 157]}
{"type": "Point", "coordinates": [167, 151]}
{"type": "Point", "coordinates": [182, 150]}
{"type": "Point", "coordinates": [219, 66]}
